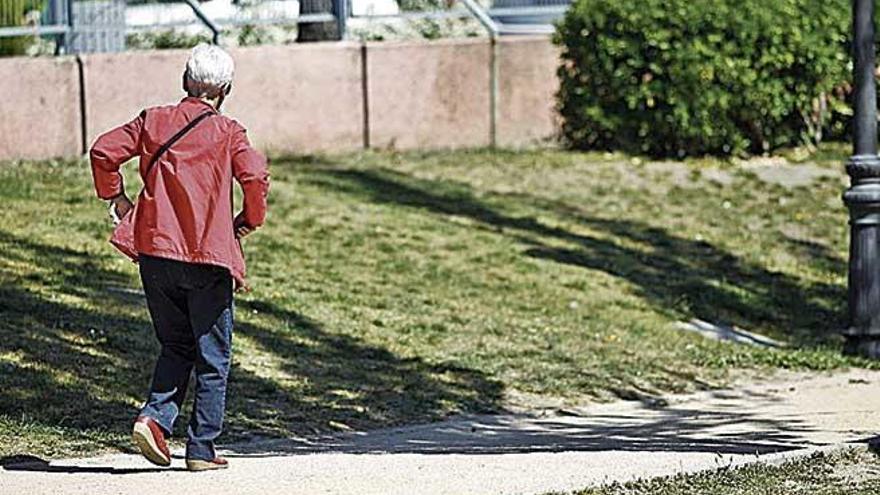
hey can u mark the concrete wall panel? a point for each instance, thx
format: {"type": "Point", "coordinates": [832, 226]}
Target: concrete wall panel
{"type": "Point", "coordinates": [300, 98]}
{"type": "Point", "coordinates": [40, 108]}
{"type": "Point", "coordinates": [119, 85]}
{"type": "Point", "coordinates": [431, 95]}
{"type": "Point", "coordinates": [290, 98]}
{"type": "Point", "coordinates": [528, 84]}
{"type": "Point", "coordinates": [297, 98]}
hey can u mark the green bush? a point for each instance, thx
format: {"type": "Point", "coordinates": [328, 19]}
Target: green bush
{"type": "Point", "coordinates": [685, 77]}
{"type": "Point", "coordinates": [163, 40]}
{"type": "Point", "coordinates": [12, 14]}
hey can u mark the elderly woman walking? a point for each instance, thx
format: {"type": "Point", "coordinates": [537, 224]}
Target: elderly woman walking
{"type": "Point", "coordinates": [186, 241]}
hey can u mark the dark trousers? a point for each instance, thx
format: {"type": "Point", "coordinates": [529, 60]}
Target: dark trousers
{"type": "Point", "coordinates": [191, 308]}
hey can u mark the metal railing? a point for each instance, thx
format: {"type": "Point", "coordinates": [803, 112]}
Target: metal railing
{"type": "Point", "coordinates": [339, 14]}
{"type": "Point", "coordinates": [516, 10]}
{"type": "Point", "coordinates": [83, 26]}
{"type": "Point", "coordinates": [545, 14]}
{"type": "Point", "coordinates": [200, 14]}
{"type": "Point", "coordinates": [504, 17]}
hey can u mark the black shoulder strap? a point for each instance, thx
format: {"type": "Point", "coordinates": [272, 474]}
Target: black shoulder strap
{"type": "Point", "coordinates": [188, 127]}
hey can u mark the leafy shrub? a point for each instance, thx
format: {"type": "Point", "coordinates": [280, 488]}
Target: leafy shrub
{"type": "Point", "coordinates": [679, 77]}
{"type": "Point", "coordinates": [167, 39]}
{"type": "Point", "coordinates": [415, 29]}
{"type": "Point", "coordinates": [252, 35]}
{"type": "Point", "coordinates": [14, 13]}
{"type": "Point", "coordinates": [421, 5]}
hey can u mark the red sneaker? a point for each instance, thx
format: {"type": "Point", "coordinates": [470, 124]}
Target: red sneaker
{"type": "Point", "coordinates": [203, 465]}
{"type": "Point", "coordinates": [150, 440]}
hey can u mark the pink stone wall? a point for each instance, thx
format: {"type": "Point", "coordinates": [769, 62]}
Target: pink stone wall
{"type": "Point", "coordinates": [301, 98]}
{"type": "Point", "coordinates": [428, 95]}
{"type": "Point", "coordinates": [40, 108]}
{"type": "Point", "coordinates": [527, 87]}
{"type": "Point", "coordinates": [119, 85]}
{"type": "Point", "coordinates": [291, 98]}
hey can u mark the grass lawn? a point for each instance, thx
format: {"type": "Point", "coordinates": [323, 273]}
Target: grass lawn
{"type": "Point", "coordinates": [393, 288]}
{"type": "Point", "coordinates": [850, 472]}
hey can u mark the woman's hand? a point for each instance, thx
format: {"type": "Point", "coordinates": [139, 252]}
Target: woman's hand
{"type": "Point", "coordinates": [242, 229]}
{"type": "Point", "coordinates": [119, 207]}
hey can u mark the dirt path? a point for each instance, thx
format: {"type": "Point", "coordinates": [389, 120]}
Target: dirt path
{"type": "Point", "coordinates": [507, 454]}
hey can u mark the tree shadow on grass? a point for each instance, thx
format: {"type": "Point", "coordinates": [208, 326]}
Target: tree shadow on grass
{"type": "Point", "coordinates": [77, 351]}
{"type": "Point", "coordinates": [353, 385]}
{"type": "Point", "coordinates": [682, 277]}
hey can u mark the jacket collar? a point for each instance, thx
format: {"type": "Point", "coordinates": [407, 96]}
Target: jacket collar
{"type": "Point", "coordinates": [197, 102]}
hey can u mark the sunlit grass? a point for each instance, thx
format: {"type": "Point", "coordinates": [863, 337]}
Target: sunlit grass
{"type": "Point", "coordinates": [848, 472]}
{"type": "Point", "coordinates": [391, 288]}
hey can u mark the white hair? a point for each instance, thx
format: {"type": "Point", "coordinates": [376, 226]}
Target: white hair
{"type": "Point", "coordinates": [209, 71]}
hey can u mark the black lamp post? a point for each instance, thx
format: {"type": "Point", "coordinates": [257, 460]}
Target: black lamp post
{"type": "Point", "coordinates": [863, 196]}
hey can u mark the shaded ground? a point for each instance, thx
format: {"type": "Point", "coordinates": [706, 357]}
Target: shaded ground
{"type": "Point", "coordinates": [399, 288]}
{"type": "Point", "coordinates": [528, 453]}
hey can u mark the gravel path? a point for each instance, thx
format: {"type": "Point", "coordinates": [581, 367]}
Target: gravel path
{"type": "Point", "coordinates": [509, 454]}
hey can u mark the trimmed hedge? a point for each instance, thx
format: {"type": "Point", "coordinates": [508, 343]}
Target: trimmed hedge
{"type": "Point", "coordinates": [686, 77]}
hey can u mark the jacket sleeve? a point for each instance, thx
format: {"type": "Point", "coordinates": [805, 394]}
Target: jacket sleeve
{"type": "Point", "coordinates": [110, 151]}
{"type": "Point", "coordinates": [250, 169]}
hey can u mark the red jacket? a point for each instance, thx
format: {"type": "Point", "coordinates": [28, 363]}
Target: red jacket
{"type": "Point", "coordinates": [186, 211]}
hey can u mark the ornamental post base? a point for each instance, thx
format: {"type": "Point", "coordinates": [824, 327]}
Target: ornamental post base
{"type": "Point", "coordinates": [864, 346]}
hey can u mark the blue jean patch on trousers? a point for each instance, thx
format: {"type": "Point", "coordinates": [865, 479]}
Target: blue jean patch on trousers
{"type": "Point", "coordinates": [192, 311]}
